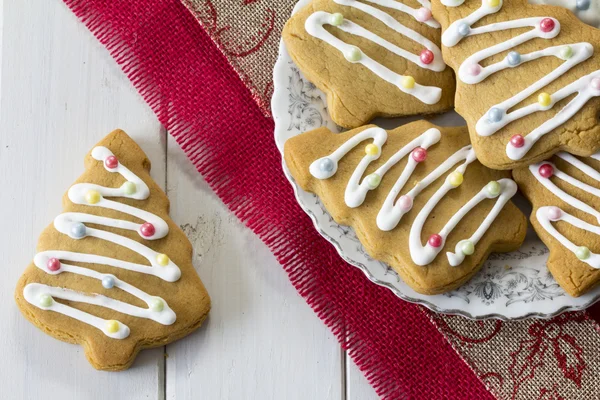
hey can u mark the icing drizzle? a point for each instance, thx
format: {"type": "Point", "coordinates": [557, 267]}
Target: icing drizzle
{"type": "Point", "coordinates": [548, 214]}
{"type": "Point", "coordinates": [314, 25]}
{"type": "Point", "coordinates": [471, 72]}
{"type": "Point", "coordinates": [393, 210]}
{"type": "Point", "coordinates": [158, 310]}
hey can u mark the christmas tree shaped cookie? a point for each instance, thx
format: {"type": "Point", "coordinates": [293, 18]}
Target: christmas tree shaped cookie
{"type": "Point", "coordinates": [371, 58]}
{"type": "Point", "coordinates": [565, 192]}
{"type": "Point", "coordinates": [416, 196]}
{"type": "Point", "coordinates": [528, 78]}
{"type": "Point", "coordinates": [114, 273]}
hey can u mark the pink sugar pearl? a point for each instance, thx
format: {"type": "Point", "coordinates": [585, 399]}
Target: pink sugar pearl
{"type": "Point", "coordinates": [405, 203]}
{"type": "Point", "coordinates": [147, 229]}
{"type": "Point", "coordinates": [554, 213]}
{"type": "Point", "coordinates": [426, 56]}
{"type": "Point", "coordinates": [517, 141]}
{"type": "Point", "coordinates": [435, 240]}
{"type": "Point", "coordinates": [596, 83]}
{"type": "Point", "coordinates": [111, 162]}
{"type": "Point", "coordinates": [423, 14]}
{"type": "Point", "coordinates": [547, 25]}
{"type": "Point", "coordinates": [474, 69]}
{"type": "Point", "coordinates": [419, 154]}
{"type": "Point", "coordinates": [53, 264]}
{"type": "Point", "coordinates": [546, 170]}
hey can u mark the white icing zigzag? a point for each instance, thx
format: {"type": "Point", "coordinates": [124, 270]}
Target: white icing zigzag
{"type": "Point", "coordinates": [427, 94]}
{"type": "Point", "coordinates": [471, 72]}
{"type": "Point", "coordinates": [547, 215]}
{"type": "Point", "coordinates": [394, 208]}
{"type": "Point", "coordinates": [72, 224]}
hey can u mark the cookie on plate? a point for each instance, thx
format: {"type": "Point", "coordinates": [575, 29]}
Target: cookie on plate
{"type": "Point", "coordinates": [410, 194]}
{"type": "Point", "coordinates": [565, 193]}
{"type": "Point", "coordinates": [371, 58]}
{"type": "Point", "coordinates": [528, 78]}
{"type": "Point", "coordinates": [114, 273]}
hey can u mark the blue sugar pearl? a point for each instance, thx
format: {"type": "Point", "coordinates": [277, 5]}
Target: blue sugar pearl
{"type": "Point", "coordinates": [495, 115]}
{"type": "Point", "coordinates": [108, 282]}
{"type": "Point", "coordinates": [78, 230]}
{"type": "Point", "coordinates": [514, 58]}
{"type": "Point", "coordinates": [326, 165]}
{"type": "Point", "coordinates": [582, 4]}
{"type": "Point", "coordinates": [464, 29]}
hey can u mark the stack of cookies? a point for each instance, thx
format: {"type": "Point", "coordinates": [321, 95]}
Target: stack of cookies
{"type": "Point", "coordinates": [434, 202]}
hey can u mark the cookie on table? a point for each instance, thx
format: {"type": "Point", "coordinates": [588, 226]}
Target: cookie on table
{"type": "Point", "coordinates": [416, 196]}
{"type": "Point", "coordinates": [528, 78]}
{"type": "Point", "coordinates": [565, 193]}
{"type": "Point", "coordinates": [114, 273]}
{"type": "Point", "coordinates": [371, 58]}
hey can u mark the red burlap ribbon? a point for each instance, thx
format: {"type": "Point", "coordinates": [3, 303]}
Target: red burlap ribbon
{"type": "Point", "coordinates": [404, 350]}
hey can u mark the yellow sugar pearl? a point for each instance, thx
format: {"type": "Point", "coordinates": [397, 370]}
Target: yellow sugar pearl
{"type": "Point", "coordinates": [92, 196]}
{"type": "Point", "coordinates": [162, 260]}
{"type": "Point", "coordinates": [493, 3]}
{"type": "Point", "coordinates": [112, 326]}
{"type": "Point", "coordinates": [544, 99]}
{"type": "Point", "coordinates": [408, 82]}
{"type": "Point", "coordinates": [455, 179]}
{"type": "Point", "coordinates": [372, 150]}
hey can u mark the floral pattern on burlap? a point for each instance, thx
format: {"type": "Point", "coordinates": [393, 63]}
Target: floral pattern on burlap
{"type": "Point", "coordinates": [531, 359]}
{"type": "Point", "coordinates": [247, 32]}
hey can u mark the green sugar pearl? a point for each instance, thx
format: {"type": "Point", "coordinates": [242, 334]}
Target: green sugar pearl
{"type": "Point", "coordinates": [583, 253]}
{"type": "Point", "coordinates": [336, 19]}
{"type": "Point", "coordinates": [373, 181]}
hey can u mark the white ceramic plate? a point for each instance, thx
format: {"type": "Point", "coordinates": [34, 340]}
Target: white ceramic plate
{"type": "Point", "coordinates": [509, 286]}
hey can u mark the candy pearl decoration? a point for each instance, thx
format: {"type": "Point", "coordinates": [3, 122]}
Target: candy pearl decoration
{"type": "Point", "coordinates": [435, 240]}
{"type": "Point", "coordinates": [408, 82]}
{"type": "Point", "coordinates": [111, 162]}
{"type": "Point", "coordinates": [46, 300]}
{"type": "Point", "coordinates": [78, 230]}
{"type": "Point", "coordinates": [108, 282]}
{"type": "Point", "coordinates": [373, 181]}
{"type": "Point", "coordinates": [596, 83]}
{"type": "Point", "coordinates": [463, 29]}
{"type": "Point", "coordinates": [405, 203]}
{"type": "Point", "coordinates": [147, 229]}
{"type": "Point", "coordinates": [493, 189]}
{"type": "Point", "coordinates": [112, 326]}
{"type": "Point", "coordinates": [546, 170]}
{"type": "Point", "coordinates": [583, 253]}
{"type": "Point", "coordinates": [129, 188]}
{"type": "Point", "coordinates": [423, 14]}
{"type": "Point", "coordinates": [467, 247]}
{"type": "Point", "coordinates": [566, 52]}
{"type": "Point", "coordinates": [495, 115]}
{"type": "Point", "coordinates": [455, 179]}
{"type": "Point", "coordinates": [514, 58]}
{"type": "Point", "coordinates": [326, 165]}
{"type": "Point", "coordinates": [493, 3]}
{"type": "Point", "coordinates": [426, 56]}
{"type": "Point", "coordinates": [353, 54]}
{"type": "Point", "coordinates": [92, 196]}
{"type": "Point", "coordinates": [419, 154]}
{"type": "Point", "coordinates": [162, 260]}
{"type": "Point", "coordinates": [336, 19]}
{"type": "Point", "coordinates": [554, 213]}
{"type": "Point", "coordinates": [474, 69]}
{"type": "Point", "coordinates": [547, 25]}
{"type": "Point", "coordinates": [582, 5]}
{"type": "Point", "coordinates": [517, 141]}
{"type": "Point", "coordinates": [157, 304]}
{"type": "Point", "coordinates": [53, 264]}
{"type": "Point", "coordinates": [371, 149]}
{"type": "Point", "coordinates": [544, 99]}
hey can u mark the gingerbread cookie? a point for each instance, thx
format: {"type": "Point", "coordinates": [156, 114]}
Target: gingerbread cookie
{"type": "Point", "coordinates": [114, 273]}
{"type": "Point", "coordinates": [371, 58]}
{"type": "Point", "coordinates": [565, 192]}
{"type": "Point", "coordinates": [410, 194]}
{"type": "Point", "coordinates": [528, 78]}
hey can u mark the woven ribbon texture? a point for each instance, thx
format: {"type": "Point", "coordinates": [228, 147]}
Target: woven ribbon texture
{"type": "Point", "coordinates": [190, 77]}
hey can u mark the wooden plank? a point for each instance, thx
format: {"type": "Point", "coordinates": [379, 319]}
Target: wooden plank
{"type": "Point", "coordinates": [60, 93]}
{"type": "Point", "coordinates": [357, 387]}
{"type": "Point", "coordinates": [261, 340]}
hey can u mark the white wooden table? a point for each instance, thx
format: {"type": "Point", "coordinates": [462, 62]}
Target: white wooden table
{"type": "Point", "coordinates": [60, 92]}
